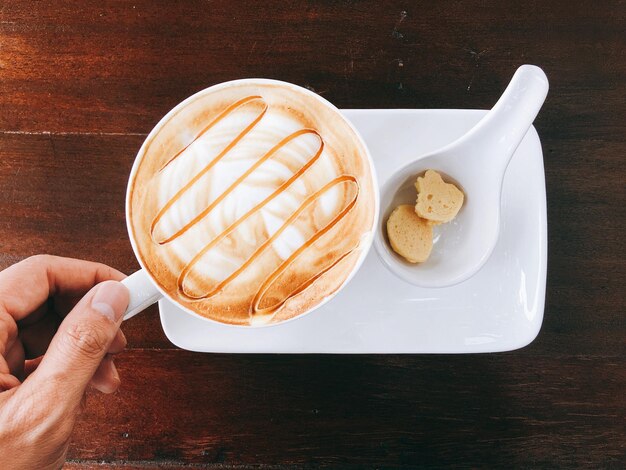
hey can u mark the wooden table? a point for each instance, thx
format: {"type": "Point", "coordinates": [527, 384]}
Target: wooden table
{"type": "Point", "coordinates": [82, 84]}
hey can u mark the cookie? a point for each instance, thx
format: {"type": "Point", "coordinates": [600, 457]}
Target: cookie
{"type": "Point", "coordinates": [437, 201]}
{"type": "Point", "coordinates": [409, 235]}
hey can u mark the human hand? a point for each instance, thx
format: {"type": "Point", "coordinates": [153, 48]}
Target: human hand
{"type": "Point", "coordinates": [59, 327]}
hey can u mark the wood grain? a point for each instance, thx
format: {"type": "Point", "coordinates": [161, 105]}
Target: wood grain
{"type": "Point", "coordinates": [119, 66]}
{"type": "Point", "coordinates": [344, 411]}
{"type": "Point", "coordinates": [82, 84]}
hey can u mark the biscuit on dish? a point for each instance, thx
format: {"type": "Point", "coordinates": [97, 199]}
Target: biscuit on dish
{"type": "Point", "coordinates": [437, 201]}
{"type": "Point", "coordinates": [409, 235]}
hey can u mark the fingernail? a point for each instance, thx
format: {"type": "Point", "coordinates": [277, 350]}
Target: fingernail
{"type": "Point", "coordinates": [123, 337]}
{"type": "Point", "coordinates": [116, 375]}
{"type": "Point", "coordinates": [110, 299]}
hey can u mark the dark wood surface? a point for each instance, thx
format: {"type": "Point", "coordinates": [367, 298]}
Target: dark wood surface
{"type": "Point", "coordinates": [81, 84]}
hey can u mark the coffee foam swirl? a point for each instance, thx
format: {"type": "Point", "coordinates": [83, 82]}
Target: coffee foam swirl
{"type": "Point", "coordinates": [249, 206]}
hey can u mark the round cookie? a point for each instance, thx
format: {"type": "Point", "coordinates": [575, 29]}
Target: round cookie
{"type": "Point", "coordinates": [409, 235]}
{"type": "Point", "coordinates": [437, 201]}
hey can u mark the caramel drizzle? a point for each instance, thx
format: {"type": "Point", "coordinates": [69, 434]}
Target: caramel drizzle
{"type": "Point", "coordinates": [305, 204]}
{"type": "Point", "coordinates": [285, 264]}
{"type": "Point", "coordinates": [207, 168]}
{"type": "Point", "coordinates": [250, 213]}
{"type": "Point", "coordinates": [266, 285]}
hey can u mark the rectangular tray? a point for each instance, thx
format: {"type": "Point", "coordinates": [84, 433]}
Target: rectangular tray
{"type": "Point", "coordinates": [498, 309]}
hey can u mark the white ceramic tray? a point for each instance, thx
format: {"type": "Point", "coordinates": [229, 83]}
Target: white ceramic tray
{"type": "Point", "coordinates": [498, 309]}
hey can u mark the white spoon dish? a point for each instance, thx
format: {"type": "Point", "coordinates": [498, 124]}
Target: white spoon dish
{"type": "Point", "coordinates": [500, 308]}
{"type": "Point", "coordinates": [476, 163]}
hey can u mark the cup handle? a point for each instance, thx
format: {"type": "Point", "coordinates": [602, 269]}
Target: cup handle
{"type": "Point", "coordinates": [143, 293]}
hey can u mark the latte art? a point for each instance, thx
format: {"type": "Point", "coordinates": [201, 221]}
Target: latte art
{"type": "Point", "coordinates": [252, 203]}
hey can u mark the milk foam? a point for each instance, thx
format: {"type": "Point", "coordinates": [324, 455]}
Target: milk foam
{"type": "Point", "coordinates": [251, 191]}
{"type": "Point", "coordinates": [252, 205]}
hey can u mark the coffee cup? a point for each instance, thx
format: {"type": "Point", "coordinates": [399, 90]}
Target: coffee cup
{"type": "Point", "coordinates": [251, 203]}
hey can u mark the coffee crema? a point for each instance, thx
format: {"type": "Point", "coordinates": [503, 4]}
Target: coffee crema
{"type": "Point", "coordinates": [252, 202]}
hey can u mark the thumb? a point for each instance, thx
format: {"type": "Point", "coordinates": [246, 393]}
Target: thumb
{"type": "Point", "coordinates": [82, 340]}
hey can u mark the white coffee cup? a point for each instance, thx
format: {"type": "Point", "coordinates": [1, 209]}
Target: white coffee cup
{"type": "Point", "coordinates": [144, 290]}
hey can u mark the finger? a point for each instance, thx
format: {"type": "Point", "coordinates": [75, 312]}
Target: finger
{"type": "Point", "coordinates": [37, 314]}
{"type": "Point", "coordinates": [14, 358]}
{"type": "Point", "coordinates": [8, 381]}
{"type": "Point", "coordinates": [8, 332]}
{"type": "Point", "coordinates": [8, 336]}
{"type": "Point", "coordinates": [30, 365]}
{"type": "Point", "coordinates": [36, 338]}
{"type": "Point", "coordinates": [106, 379]}
{"type": "Point", "coordinates": [81, 342]}
{"type": "Point", "coordinates": [118, 344]}
{"type": "Point", "coordinates": [28, 284]}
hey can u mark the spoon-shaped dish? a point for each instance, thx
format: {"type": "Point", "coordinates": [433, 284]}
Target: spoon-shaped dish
{"type": "Point", "coordinates": [476, 163]}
